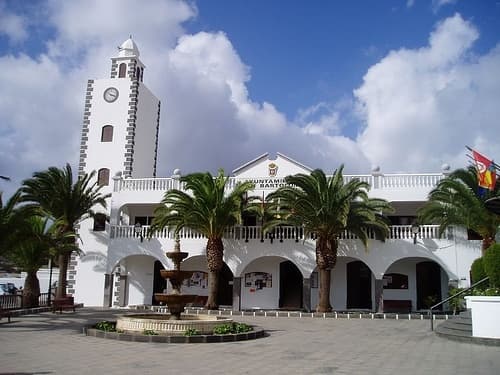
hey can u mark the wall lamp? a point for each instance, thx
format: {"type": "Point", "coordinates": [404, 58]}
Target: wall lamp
{"type": "Point", "coordinates": [415, 228]}
{"type": "Point", "coordinates": [138, 230]}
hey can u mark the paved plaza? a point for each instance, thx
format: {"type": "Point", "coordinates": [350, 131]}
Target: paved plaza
{"type": "Point", "coordinates": [49, 343]}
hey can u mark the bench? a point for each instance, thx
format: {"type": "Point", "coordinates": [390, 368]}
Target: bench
{"type": "Point", "coordinates": [397, 306]}
{"type": "Point", "coordinates": [63, 303]}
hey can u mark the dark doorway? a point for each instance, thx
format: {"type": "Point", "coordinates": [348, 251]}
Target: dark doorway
{"type": "Point", "coordinates": [359, 286]}
{"type": "Point", "coordinates": [159, 283]}
{"type": "Point", "coordinates": [290, 286]}
{"type": "Point", "coordinates": [428, 284]}
{"type": "Point", "coordinates": [225, 291]}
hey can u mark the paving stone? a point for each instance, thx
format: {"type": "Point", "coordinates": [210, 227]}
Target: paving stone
{"type": "Point", "coordinates": [53, 343]}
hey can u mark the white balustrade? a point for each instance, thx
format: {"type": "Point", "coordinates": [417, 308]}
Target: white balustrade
{"type": "Point", "coordinates": [386, 181]}
{"type": "Point", "coordinates": [246, 233]}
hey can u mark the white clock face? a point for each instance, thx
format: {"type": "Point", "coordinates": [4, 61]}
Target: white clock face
{"type": "Point", "coordinates": [110, 94]}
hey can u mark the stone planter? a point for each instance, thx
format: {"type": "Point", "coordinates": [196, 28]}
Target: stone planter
{"type": "Point", "coordinates": [485, 311]}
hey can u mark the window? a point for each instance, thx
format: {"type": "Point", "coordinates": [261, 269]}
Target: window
{"type": "Point", "coordinates": [107, 133]}
{"type": "Point", "coordinates": [103, 177]}
{"type": "Point", "coordinates": [138, 73]}
{"type": "Point", "coordinates": [99, 222]}
{"type": "Point", "coordinates": [122, 70]}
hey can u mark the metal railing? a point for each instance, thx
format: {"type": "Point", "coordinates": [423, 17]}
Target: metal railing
{"type": "Point", "coordinates": [15, 301]}
{"type": "Point", "coordinates": [431, 315]}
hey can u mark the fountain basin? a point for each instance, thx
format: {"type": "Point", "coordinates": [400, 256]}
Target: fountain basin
{"type": "Point", "coordinates": [163, 325]}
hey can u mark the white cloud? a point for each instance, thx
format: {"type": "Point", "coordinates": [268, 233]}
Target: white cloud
{"type": "Point", "coordinates": [437, 4]}
{"type": "Point", "coordinates": [410, 3]}
{"type": "Point", "coordinates": [12, 25]}
{"type": "Point", "coordinates": [208, 119]}
{"type": "Point", "coordinates": [421, 107]}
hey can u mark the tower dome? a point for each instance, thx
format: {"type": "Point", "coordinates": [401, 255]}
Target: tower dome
{"type": "Point", "coordinates": [128, 48]}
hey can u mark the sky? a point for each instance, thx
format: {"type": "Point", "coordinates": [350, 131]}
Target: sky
{"type": "Point", "coordinates": [400, 84]}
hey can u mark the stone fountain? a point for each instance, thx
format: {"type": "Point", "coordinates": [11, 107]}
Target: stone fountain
{"type": "Point", "coordinates": [175, 301]}
{"type": "Point", "coordinates": [175, 322]}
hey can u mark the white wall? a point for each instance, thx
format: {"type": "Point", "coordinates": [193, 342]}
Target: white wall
{"type": "Point", "coordinates": [145, 133]}
{"type": "Point", "coordinates": [265, 298]}
{"type": "Point", "coordinates": [140, 273]}
{"type": "Point", "coordinates": [91, 265]}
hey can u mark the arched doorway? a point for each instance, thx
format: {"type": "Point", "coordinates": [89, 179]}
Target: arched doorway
{"type": "Point", "coordinates": [428, 276]}
{"type": "Point", "coordinates": [159, 283]}
{"type": "Point", "coordinates": [290, 286]}
{"type": "Point", "coordinates": [359, 286]}
{"type": "Point", "coordinates": [225, 291]}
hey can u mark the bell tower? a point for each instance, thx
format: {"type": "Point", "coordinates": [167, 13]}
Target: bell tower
{"type": "Point", "coordinates": [120, 122]}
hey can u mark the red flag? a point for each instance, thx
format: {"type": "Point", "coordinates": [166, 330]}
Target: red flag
{"type": "Point", "coordinates": [485, 171]}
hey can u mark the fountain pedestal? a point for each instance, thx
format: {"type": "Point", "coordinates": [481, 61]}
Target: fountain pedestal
{"type": "Point", "coordinates": [175, 301]}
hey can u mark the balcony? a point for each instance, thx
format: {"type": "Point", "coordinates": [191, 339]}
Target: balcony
{"type": "Point", "coordinates": [252, 233]}
{"type": "Point", "coordinates": [386, 181]}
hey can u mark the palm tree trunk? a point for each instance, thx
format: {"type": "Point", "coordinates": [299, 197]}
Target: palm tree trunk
{"type": "Point", "coordinates": [324, 291]}
{"type": "Point", "coordinates": [213, 287]}
{"type": "Point", "coordinates": [215, 261]}
{"type": "Point", "coordinates": [31, 290]}
{"type": "Point", "coordinates": [326, 258]}
{"type": "Point", "coordinates": [63, 261]}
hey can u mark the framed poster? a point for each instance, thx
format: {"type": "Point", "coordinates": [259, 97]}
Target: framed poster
{"type": "Point", "coordinates": [198, 279]}
{"type": "Point", "coordinates": [258, 280]}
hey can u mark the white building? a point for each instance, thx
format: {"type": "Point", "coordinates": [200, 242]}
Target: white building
{"type": "Point", "coordinates": [119, 267]}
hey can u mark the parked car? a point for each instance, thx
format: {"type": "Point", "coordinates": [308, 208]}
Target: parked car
{"type": "Point", "coordinates": [7, 288]}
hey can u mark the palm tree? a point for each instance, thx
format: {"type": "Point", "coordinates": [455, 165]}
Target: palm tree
{"type": "Point", "coordinates": [210, 209]}
{"type": "Point", "coordinates": [34, 238]}
{"type": "Point", "coordinates": [10, 217]}
{"type": "Point", "coordinates": [55, 193]}
{"type": "Point", "coordinates": [458, 200]}
{"type": "Point", "coordinates": [326, 207]}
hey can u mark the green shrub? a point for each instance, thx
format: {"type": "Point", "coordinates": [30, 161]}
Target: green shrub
{"type": "Point", "coordinates": [149, 332]}
{"type": "Point", "coordinates": [491, 264]}
{"type": "Point", "coordinates": [191, 332]}
{"type": "Point", "coordinates": [486, 292]}
{"type": "Point", "coordinates": [478, 273]}
{"type": "Point", "coordinates": [241, 328]}
{"type": "Point", "coordinates": [106, 326]}
{"type": "Point", "coordinates": [457, 303]}
{"type": "Point", "coordinates": [225, 329]}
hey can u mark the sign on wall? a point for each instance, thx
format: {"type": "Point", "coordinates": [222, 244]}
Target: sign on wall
{"type": "Point", "coordinates": [198, 279]}
{"type": "Point", "coordinates": [258, 280]}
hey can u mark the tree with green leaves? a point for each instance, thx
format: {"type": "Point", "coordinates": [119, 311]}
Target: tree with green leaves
{"type": "Point", "coordinates": [457, 200]}
{"type": "Point", "coordinates": [208, 207]}
{"type": "Point", "coordinates": [34, 239]}
{"type": "Point", "coordinates": [55, 194]}
{"type": "Point", "coordinates": [327, 207]}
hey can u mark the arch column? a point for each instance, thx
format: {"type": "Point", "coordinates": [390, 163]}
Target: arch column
{"type": "Point", "coordinates": [379, 295]}
{"type": "Point", "coordinates": [236, 293]}
{"type": "Point", "coordinates": [306, 294]}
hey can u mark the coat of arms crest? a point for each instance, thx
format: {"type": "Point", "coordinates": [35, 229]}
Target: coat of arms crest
{"type": "Point", "coordinates": [273, 169]}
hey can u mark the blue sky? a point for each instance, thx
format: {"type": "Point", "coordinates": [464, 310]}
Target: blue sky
{"type": "Point", "coordinates": [401, 84]}
{"type": "Point", "coordinates": [302, 52]}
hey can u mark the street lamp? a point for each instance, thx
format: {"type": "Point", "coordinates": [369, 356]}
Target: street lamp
{"type": "Point", "coordinates": [415, 228]}
{"type": "Point", "coordinates": [138, 230]}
